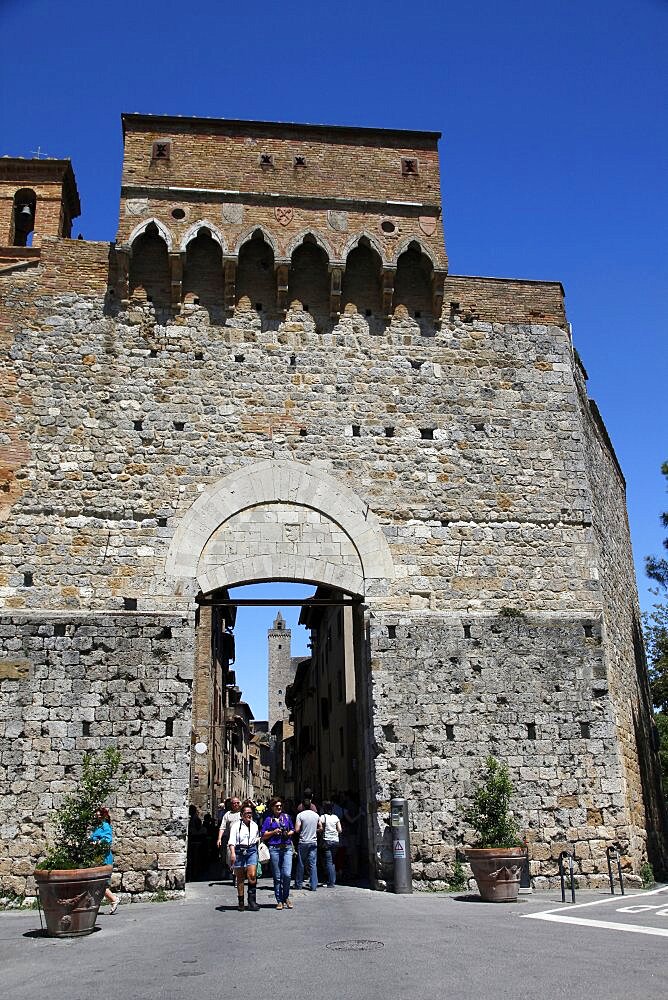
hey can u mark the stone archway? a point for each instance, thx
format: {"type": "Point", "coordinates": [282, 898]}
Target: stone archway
{"type": "Point", "coordinates": [280, 520]}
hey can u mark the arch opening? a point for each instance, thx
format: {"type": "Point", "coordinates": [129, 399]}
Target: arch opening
{"type": "Point", "coordinates": [413, 282]}
{"type": "Point", "coordinates": [255, 273]}
{"type": "Point", "coordinates": [362, 280]}
{"type": "Point", "coordinates": [23, 217]}
{"type": "Point", "coordinates": [149, 268]}
{"type": "Point", "coordinates": [309, 278]}
{"type": "Point", "coordinates": [203, 271]}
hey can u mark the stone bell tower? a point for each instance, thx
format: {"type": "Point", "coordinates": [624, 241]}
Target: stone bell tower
{"type": "Point", "coordinates": [38, 198]}
{"type": "Point", "coordinates": [281, 671]}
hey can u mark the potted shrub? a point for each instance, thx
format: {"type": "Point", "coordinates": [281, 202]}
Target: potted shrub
{"type": "Point", "coordinates": [496, 858]}
{"type": "Point", "coordinates": [72, 877]}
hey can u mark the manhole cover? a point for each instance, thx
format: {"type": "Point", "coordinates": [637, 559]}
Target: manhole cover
{"type": "Point", "coordinates": [357, 944]}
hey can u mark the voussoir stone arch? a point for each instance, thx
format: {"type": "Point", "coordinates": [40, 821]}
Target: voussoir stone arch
{"type": "Point", "coordinates": [301, 237]}
{"type": "Point", "coordinates": [249, 233]}
{"type": "Point", "coordinates": [354, 242]}
{"type": "Point", "coordinates": [196, 228]}
{"type": "Point", "coordinates": [275, 520]}
{"type": "Point", "coordinates": [406, 245]}
{"type": "Point", "coordinates": [160, 226]}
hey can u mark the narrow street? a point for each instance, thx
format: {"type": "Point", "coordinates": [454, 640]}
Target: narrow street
{"type": "Point", "coordinates": [348, 942]}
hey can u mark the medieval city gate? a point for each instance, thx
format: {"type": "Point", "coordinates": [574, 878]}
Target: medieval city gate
{"type": "Point", "coordinates": [271, 374]}
{"type": "Point", "coordinates": [282, 521]}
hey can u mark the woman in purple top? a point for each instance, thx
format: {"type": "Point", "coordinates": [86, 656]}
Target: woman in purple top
{"type": "Point", "coordinates": [277, 833]}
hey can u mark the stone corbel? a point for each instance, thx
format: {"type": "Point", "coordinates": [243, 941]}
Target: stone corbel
{"type": "Point", "coordinates": [336, 283]}
{"type": "Point", "coordinates": [176, 277]}
{"type": "Point", "coordinates": [282, 281]}
{"type": "Point", "coordinates": [389, 274]}
{"type": "Point", "coordinates": [230, 282]}
{"type": "Point", "coordinates": [438, 281]}
{"type": "Point", "coordinates": [122, 279]}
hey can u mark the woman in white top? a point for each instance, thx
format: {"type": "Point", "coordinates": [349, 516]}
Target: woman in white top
{"type": "Point", "coordinates": [244, 838]}
{"type": "Point", "coordinates": [331, 831]}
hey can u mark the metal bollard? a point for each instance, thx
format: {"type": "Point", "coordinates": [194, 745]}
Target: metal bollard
{"type": "Point", "coordinates": [612, 852]}
{"type": "Point", "coordinates": [571, 857]}
{"type": "Point", "coordinates": [401, 845]}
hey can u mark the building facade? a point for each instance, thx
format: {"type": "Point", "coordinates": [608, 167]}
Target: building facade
{"type": "Point", "coordinates": [271, 375]}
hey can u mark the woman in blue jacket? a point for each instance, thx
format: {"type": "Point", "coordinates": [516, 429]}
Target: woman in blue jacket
{"type": "Point", "coordinates": [103, 832]}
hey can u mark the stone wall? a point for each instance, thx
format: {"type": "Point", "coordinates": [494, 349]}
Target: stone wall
{"type": "Point", "coordinates": [446, 691]}
{"type": "Point", "coordinates": [72, 683]}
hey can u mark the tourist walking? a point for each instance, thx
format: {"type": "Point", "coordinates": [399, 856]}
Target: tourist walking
{"type": "Point", "coordinates": [277, 833]}
{"type": "Point", "coordinates": [331, 832]}
{"type": "Point", "coordinates": [307, 826]}
{"type": "Point", "coordinates": [104, 832]}
{"type": "Point", "coordinates": [230, 818]}
{"type": "Point", "coordinates": [244, 839]}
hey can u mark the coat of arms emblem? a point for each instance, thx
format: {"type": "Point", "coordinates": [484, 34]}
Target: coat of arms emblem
{"type": "Point", "coordinates": [427, 224]}
{"type": "Point", "coordinates": [284, 216]}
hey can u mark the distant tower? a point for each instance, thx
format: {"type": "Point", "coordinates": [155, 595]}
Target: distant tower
{"type": "Point", "coordinates": [281, 669]}
{"type": "Point", "coordinates": [38, 198]}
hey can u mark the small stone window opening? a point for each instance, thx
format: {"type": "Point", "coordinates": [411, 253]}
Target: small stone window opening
{"type": "Point", "coordinates": [293, 360]}
{"type": "Point", "coordinates": [153, 353]}
{"type": "Point", "coordinates": [389, 432]}
{"type": "Point", "coordinates": [169, 726]}
{"type": "Point", "coordinates": [266, 160]}
{"type": "Point", "coordinates": [27, 580]}
{"type": "Point", "coordinates": [162, 522]}
{"type": "Point", "coordinates": [239, 358]}
{"type": "Point", "coordinates": [302, 432]}
{"type": "Point", "coordinates": [388, 227]}
{"type": "Point", "coordinates": [138, 425]}
{"type": "Point", "coordinates": [585, 730]}
{"type": "Point", "coordinates": [179, 425]}
{"type": "Point", "coordinates": [478, 425]}
{"type": "Point", "coordinates": [85, 729]}
{"type": "Point", "coordinates": [427, 433]}
{"type": "Point", "coordinates": [391, 631]}
{"type": "Point", "coordinates": [449, 732]}
{"type": "Point", "coordinates": [166, 632]}
{"type": "Point", "coordinates": [162, 150]}
{"type": "Point", "coordinates": [467, 631]}
{"type": "Point", "coordinates": [299, 161]}
{"type": "Point", "coordinates": [531, 731]}
{"type": "Point", "coordinates": [130, 603]}
{"type": "Point", "coordinates": [59, 630]}
{"type": "Point", "coordinates": [199, 355]}
{"type": "Point", "coordinates": [178, 214]}
{"type": "Point", "coordinates": [356, 430]}
{"type": "Point", "coordinates": [409, 166]}
{"type": "Point", "coordinates": [588, 630]}
{"type": "Point", "coordinates": [280, 646]}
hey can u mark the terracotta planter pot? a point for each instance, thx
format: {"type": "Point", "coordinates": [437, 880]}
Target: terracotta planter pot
{"type": "Point", "coordinates": [71, 898]}
{"type": "Point", "coordinates": [497, 872]}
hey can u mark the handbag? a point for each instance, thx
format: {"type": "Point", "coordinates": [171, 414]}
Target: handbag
{"type": "Point", "coordinates": [263, 853]}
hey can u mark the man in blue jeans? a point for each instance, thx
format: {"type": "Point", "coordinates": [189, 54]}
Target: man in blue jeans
{"type": "Point", "coordinates": [307, 826]}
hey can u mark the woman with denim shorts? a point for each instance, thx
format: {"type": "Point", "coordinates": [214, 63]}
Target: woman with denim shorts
{"type": "Point", "coordinates": [277, 833]}
{"type": "Point", "coordinates": [244, 838]}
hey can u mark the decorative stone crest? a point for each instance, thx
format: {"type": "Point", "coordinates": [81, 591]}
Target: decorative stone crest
{"type": "Point", "coordinates": [427, 224]}
{"type": "Point", "coordinates": [338, 221]}
{"type": "Point", "coordinates": [136, 206]}
{"type": "Point", "coordinates": [232, 213]}
{"type": "Point", "coordinates": [284, 216]}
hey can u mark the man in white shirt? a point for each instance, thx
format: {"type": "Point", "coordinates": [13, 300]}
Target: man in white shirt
{"type": "Point", "coordinates": [307, 826]}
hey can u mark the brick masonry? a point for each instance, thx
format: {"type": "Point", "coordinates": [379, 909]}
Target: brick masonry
{"type": "Point", "coordinates": [443, 469]}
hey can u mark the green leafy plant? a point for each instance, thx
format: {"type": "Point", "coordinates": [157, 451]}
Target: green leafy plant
{"type": "Point", "coordinates": [489, 814]}
{"type": "Point", "coordinates": [646, 874]}
{"type": "Point", "coordinates": [457, 880]}
{"type": "Point", "coordinates": [75, 819]}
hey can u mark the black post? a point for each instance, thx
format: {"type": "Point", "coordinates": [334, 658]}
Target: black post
{"type": "Point", "coordinates": [570, 865]}
{"type": "Point", "coordinates": [609, 851]}
{"type": "Point", "coordinates": [561, 876]}
{"type": "Point", "coordinates": [619, 869]}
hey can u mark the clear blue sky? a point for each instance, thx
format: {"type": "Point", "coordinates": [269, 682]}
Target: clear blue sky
{"type": "Point", "coordinates": [554, 150]}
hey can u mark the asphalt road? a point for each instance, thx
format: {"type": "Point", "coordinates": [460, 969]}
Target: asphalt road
{"type": "Point", "coordinates": [346, 942]}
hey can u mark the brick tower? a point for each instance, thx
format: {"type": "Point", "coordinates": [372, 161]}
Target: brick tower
{"type": "Point", "coordinates": [281, 669]}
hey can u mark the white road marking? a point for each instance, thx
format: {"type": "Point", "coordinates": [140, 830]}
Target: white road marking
{"type": "Point", "coordinates": [562, 914]}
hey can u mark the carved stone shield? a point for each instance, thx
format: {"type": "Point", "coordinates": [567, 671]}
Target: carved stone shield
{"type": "Point", "coordinates": [284, 216]}
{"type": "Point", "coordinates": [233, 213]}
{"type": "Point", "coordinates": [338, 221]}
{"type": "Point", "coordinates": [427, 224]}
{"type": "Point", "coordinates": [136, 206]}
